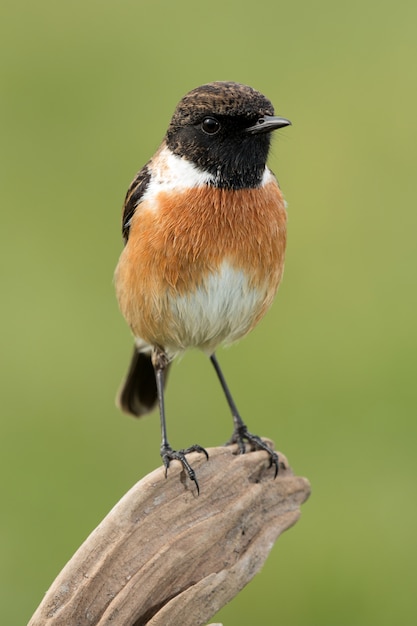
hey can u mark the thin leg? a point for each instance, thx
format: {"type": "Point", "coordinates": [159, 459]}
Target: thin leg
{"type": "Point", "coordinates": [160, 362]}
{"type": "Point", "coordinates": [240, 432]}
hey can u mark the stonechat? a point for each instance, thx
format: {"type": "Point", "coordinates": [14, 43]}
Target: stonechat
{"type": "Point", "coordinates": [204, 226]}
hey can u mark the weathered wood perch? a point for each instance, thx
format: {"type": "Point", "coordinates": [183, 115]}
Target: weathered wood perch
{"type": "Point", "coordinates": [164, 556]}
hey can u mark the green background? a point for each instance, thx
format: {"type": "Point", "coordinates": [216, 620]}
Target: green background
{"type": "Point", "coordinates": [88, 88]}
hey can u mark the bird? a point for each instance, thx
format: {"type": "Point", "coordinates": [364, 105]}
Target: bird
{"type": "Point", "coordinates": [204, 230]}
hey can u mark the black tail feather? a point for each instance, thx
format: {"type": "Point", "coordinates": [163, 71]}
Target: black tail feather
{"type": "Point", "coordinates": [138, 394]}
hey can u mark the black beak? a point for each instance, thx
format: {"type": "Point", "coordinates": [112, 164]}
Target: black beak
{"type": "Point", "coordinates": [267, 124]}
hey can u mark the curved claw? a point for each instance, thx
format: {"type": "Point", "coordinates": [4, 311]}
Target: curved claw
{"type": "Point", "coordinates": [196, 448]}
{"type": "Point", "coordinates": [241, 434]}
{"type": "Point", "coordinates": [168, 455]}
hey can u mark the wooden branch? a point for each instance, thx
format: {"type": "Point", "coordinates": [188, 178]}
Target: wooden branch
{"type": "Point", "coordinates": [165, 556]}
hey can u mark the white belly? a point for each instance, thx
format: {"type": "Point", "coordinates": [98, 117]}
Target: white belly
{"type": "Point", "coordinates": [221, 310]}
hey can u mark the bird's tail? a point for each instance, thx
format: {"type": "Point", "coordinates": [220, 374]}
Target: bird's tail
{"type": "Point", "coordinates": [138, 394]}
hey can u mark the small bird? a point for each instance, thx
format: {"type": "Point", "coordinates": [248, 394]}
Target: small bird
{"type": "Point", "coordinates": [204, 227]}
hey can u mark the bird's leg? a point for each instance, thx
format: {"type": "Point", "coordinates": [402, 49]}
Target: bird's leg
{"type": "Point", "coordinates": [160, 363]}
{"type": "Point", "coordinates": [240, 432]}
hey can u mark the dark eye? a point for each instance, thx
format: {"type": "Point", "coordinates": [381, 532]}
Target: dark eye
{"type": "Point", "coordinates": [210, 125]}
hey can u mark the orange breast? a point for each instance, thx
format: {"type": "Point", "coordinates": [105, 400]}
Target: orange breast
{"type": "Point", "coordinates": [178, 240]}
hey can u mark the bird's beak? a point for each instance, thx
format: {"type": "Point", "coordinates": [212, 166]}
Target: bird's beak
{"type": "Point", "coordinates": [266, 124]}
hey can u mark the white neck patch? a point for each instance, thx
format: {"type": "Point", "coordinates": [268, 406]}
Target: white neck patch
{"type": "Point", "coordinates": [267, 177]}
{"type": "Point", "coordinates": [171, 172]}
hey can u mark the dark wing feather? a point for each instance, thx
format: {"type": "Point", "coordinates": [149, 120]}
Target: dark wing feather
{"type": "Point", "coordinates": [133, 198]}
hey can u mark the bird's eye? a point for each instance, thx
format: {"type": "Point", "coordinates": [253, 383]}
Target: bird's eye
{"type": "Point", "coordinates": [210, 125]}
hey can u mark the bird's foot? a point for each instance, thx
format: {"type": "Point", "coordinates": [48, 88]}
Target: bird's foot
{"type": "Point", "coordinates": [242, 435]}
{"type": "Point", "coordinates": [168, 455]}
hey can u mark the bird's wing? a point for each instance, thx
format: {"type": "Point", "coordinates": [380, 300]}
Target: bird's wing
{"type": "Point", "coordinates": [134, 197]}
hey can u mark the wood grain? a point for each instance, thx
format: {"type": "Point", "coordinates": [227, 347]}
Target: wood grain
{"type": "Point", "coordinates": [165, 556]}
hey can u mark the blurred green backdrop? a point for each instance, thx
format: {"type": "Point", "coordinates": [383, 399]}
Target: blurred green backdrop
{"type": "Point", "coordinates": [88, 88]}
